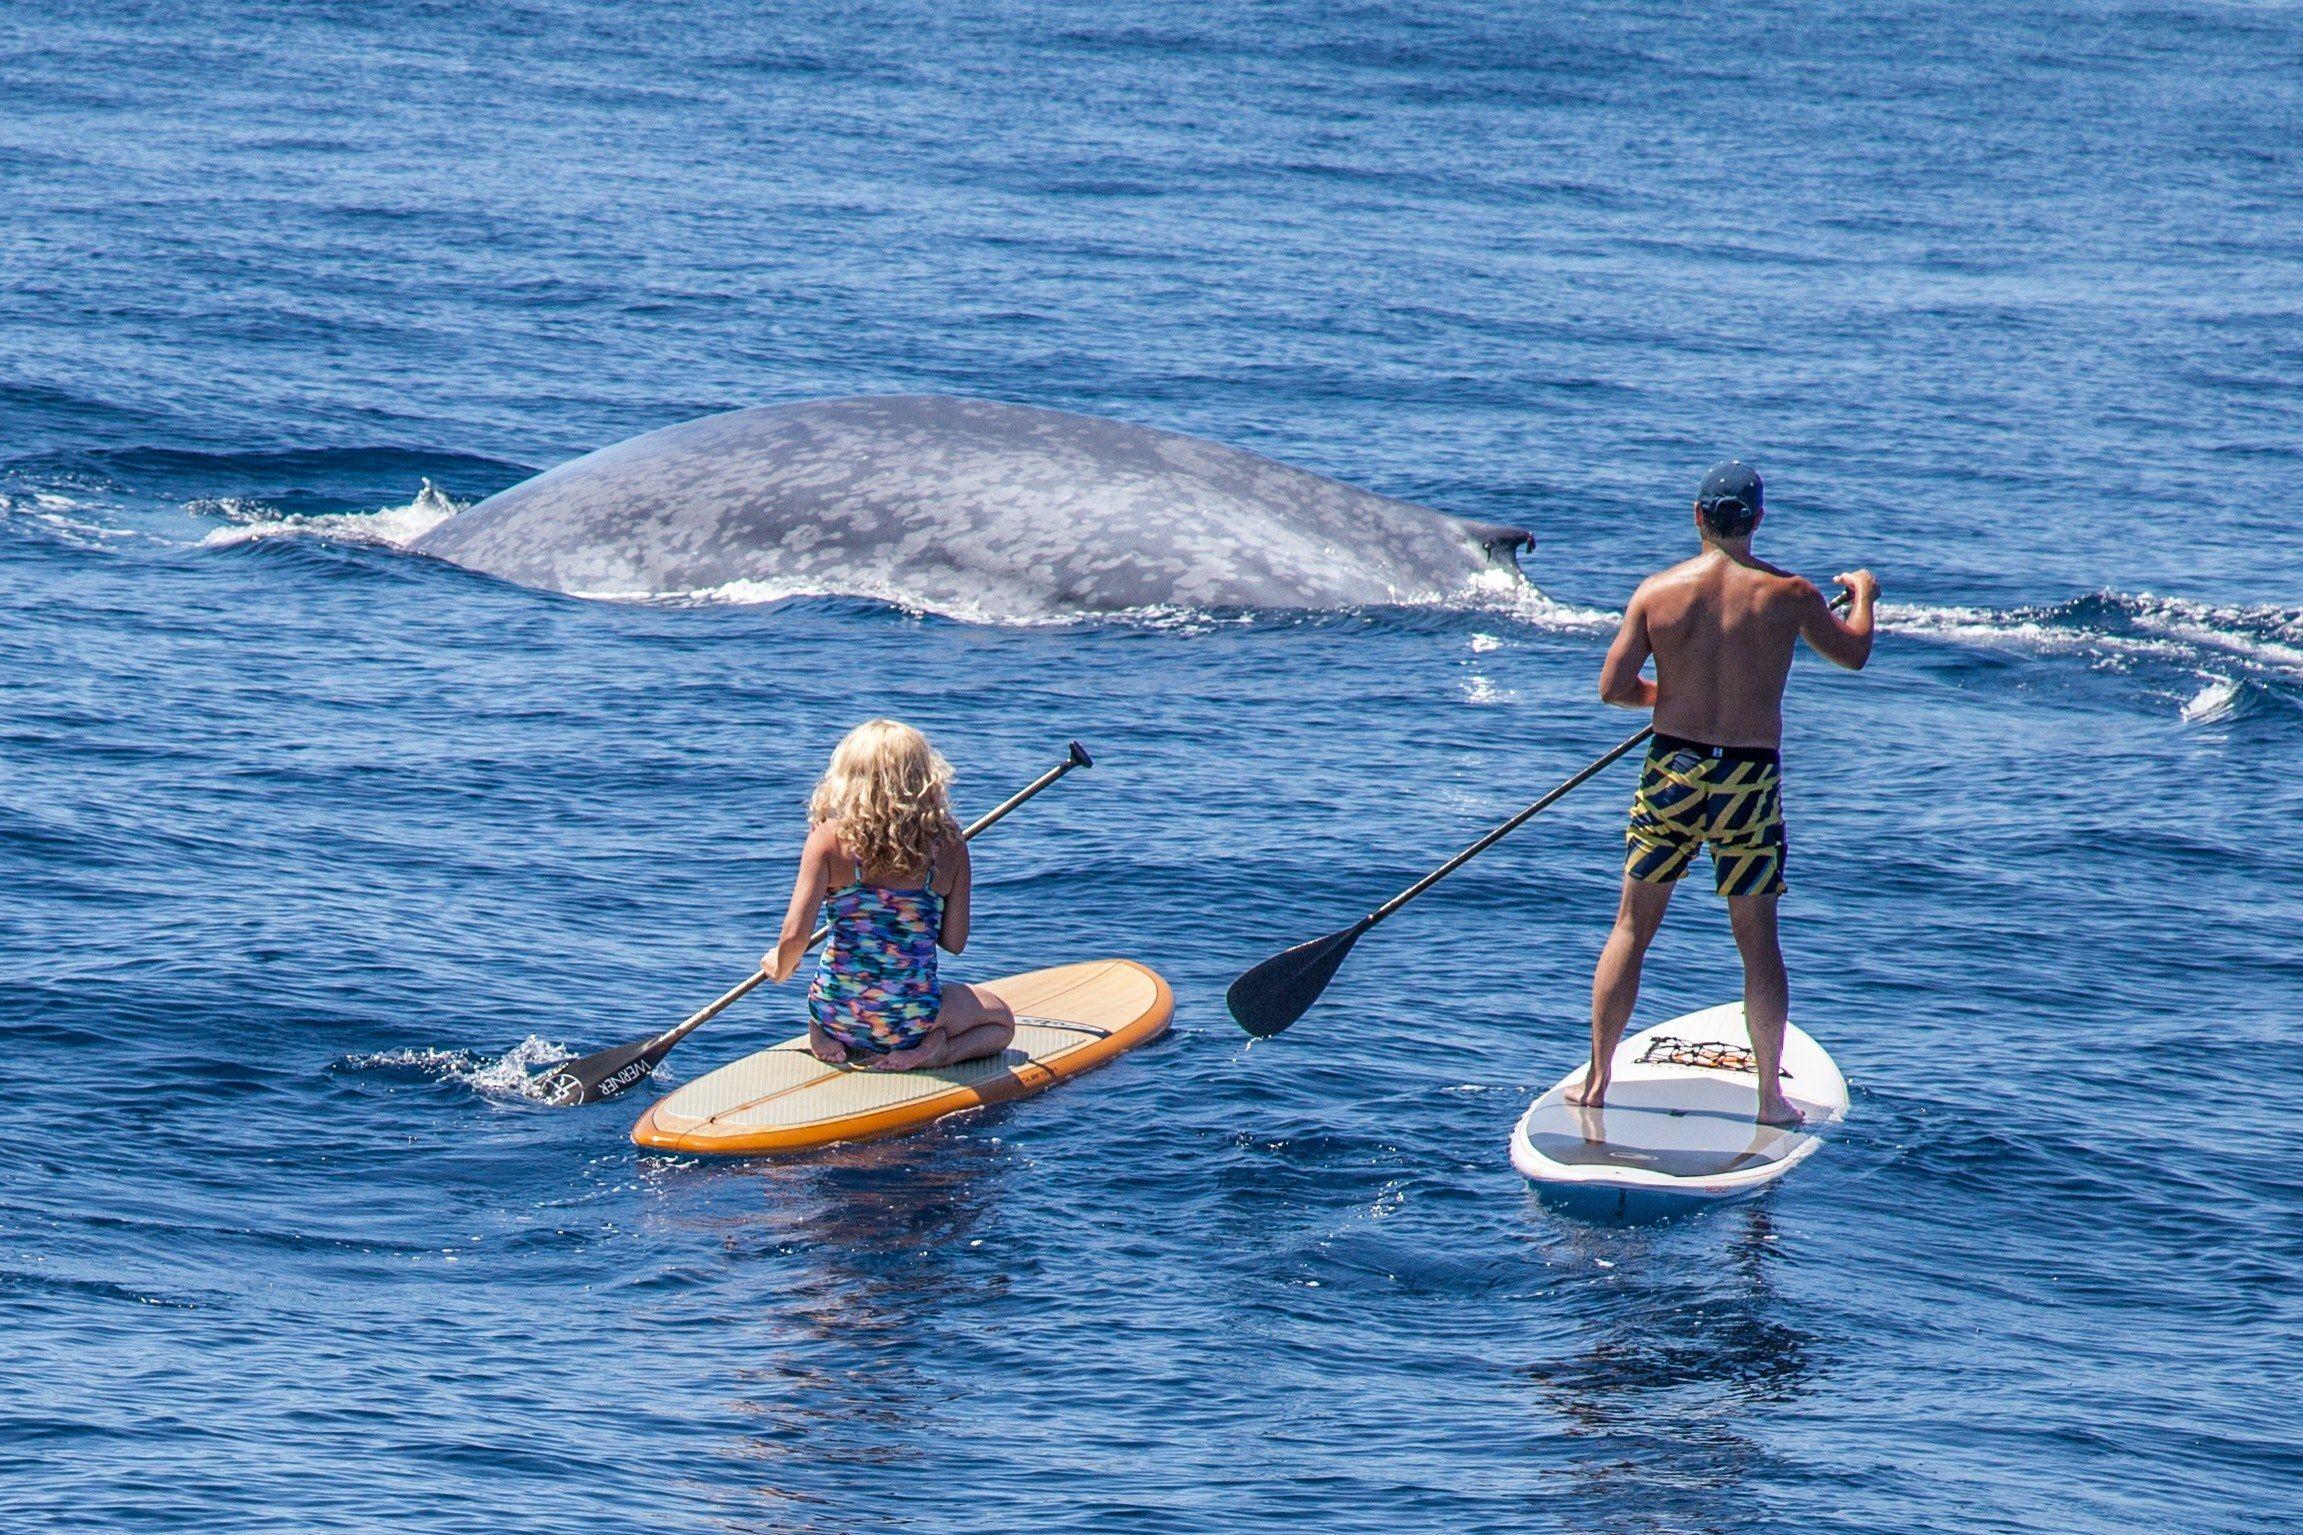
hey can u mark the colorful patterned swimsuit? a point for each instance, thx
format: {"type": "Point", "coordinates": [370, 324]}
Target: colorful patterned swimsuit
{"type": "Point", "coordinates": [876, 989]}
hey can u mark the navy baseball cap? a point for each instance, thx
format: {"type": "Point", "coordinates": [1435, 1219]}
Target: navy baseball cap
{"type": "Point", "coordinates": [1730, 498]}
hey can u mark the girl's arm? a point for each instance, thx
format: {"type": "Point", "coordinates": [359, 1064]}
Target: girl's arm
{"type": "Point", "coordinates": [954, 936]}
{"type": "Point", "coordinates": [808, 892]}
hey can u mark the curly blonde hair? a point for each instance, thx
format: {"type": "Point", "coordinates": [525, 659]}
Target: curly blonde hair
{"type": "Point", "coordinates": [886, 796]}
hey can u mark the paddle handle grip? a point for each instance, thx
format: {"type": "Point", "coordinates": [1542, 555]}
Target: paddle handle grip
{"type": "Point", "coordinates": [1077, 758]}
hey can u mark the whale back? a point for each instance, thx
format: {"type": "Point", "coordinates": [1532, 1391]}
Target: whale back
{"type": "Point", "coordinates": [958, 503]}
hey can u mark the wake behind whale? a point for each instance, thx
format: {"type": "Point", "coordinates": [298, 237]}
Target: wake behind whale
{"type": "Point", "coordinates": [967, 505]}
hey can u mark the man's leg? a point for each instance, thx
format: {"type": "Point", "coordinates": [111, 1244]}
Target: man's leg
{"type": "Point", "coordinates": [1615, 983]}
{"type": "Point", "coordinates": [1766, 999]}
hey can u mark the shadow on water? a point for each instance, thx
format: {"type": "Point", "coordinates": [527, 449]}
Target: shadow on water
{"type": "Point", "coordinates": [1686, 1352]}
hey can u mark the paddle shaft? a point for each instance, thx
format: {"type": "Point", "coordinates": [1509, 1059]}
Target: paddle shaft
{"type": "Point", "coordinates": [743, 988]}
{"type": "Point", "coordinates": [1501, 832]}
{"type": "Point", "coordinates": [1507, 828]}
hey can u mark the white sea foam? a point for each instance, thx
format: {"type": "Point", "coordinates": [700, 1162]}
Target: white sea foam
{"type": "Point", "coordinates": [60, 517]}
{"type": "Point", "coordinates": [391, 527]}
{"type": "Point", "coordinates": [1513, 596]}
{"type": "Point", "coordinates": [1496, 591]}
{"type": "Point", "coordinates": [2025, 629]}
{"type": "Point", "coordinates": [2271, 638]}
{"type": "Point", "coordinates": [990, 606]}
{"type": "Point", "coordinates": [514, 1074]}
{"type": "Point", "coordinates": [2217, 701]}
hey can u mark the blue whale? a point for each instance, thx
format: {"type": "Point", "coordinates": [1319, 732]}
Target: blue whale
{"type": "Point", "coordinates": [966, 505]}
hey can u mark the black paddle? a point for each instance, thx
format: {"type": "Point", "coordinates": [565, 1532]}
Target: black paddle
{"type": "Point", "coordinates": [1277, 992]}
{"type": "Point", "coordinates": [1280, 990]}
{"type": "Point", "coordinates": [606, 1073]}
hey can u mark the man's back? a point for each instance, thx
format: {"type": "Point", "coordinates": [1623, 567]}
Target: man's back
{"type": "Point", "coordinates": [1721, 628]}
{"type": "Point", "coordinates": [1722, 632]}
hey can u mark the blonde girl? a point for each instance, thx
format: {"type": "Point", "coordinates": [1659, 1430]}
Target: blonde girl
{"type": "Point", "coordinates": [886, 863]}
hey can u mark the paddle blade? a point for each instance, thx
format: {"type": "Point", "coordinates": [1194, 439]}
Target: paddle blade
{"type": "Point", "coordinates": [602, 1074]}
{"type": "Point", "coordinates": [1277, 992]}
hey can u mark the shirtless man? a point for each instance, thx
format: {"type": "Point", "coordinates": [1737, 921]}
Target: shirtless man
{"type": "Point", "coordinates": [1722, 628]}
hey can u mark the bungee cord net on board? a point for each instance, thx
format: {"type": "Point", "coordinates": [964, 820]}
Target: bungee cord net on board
{"type": "Point", "coordinates": [1710, 1054]}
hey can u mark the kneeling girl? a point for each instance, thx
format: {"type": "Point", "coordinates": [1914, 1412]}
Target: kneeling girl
{"type": "Point", "coordinates": [886, 864]}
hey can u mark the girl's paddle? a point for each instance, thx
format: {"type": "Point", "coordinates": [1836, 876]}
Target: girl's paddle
{"type": "Point", "coordinates": [1280, 990]}
{"type": "Point", "coordinates": [606, 1073]}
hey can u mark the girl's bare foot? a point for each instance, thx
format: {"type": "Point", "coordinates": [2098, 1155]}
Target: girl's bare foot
{"type": "Point", "coordinates": [827, 1049]}
{"type": "Point", "coordinates": [1588, 1094]}
{"type": "Point", "coordinates": [906, 1060]}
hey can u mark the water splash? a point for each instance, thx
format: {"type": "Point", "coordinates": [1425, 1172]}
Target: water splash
{"type": "Point", "coordinates": [391, 527]}
{"type": "Point", "coordinates": [1499, 592]}
{"type": "Point", "coordinates": [517, 1073]}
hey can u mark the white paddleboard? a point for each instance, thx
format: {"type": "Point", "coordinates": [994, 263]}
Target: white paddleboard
{"type": "Point", "coordinates": [1678, 1121]}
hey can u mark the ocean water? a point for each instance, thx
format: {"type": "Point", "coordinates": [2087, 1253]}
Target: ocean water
{"type": "Point", "coordinates": [312, 850]}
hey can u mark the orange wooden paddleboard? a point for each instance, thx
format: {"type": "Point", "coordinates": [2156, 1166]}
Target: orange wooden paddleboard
{"type": "Point", "coordinates": [1070, 1019]}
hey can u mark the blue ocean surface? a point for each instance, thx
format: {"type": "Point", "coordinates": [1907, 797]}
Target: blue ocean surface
{"type": "Point", "coordinates": [312, 850]}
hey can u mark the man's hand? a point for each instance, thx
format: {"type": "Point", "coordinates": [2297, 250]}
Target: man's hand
{"type": "Point", "coordinates": [1862, 585]}
{"type": "Point", "coordinates": [1841, 641]}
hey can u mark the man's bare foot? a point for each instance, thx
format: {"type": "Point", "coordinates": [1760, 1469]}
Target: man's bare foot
{"type": "Point", "coordinates": [827, 1049]}
{"type": "Point", "coordinates": [1588, 1094]}
{"type": "Point", "coordinates": [1781, 1114]}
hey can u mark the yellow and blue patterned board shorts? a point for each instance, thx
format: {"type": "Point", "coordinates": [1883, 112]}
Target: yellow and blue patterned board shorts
{"type": "Point", "coordinates": [1728, 798]}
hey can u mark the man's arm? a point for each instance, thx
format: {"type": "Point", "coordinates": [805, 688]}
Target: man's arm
{"type": "Point", "coordinates": [1619, 680]}
{"type": "Point", "coordinates": [1841, 641]}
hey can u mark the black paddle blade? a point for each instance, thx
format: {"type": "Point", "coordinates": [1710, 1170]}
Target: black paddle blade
{"type": "Point", "coordinates": [602, 1074]}
{"type": "Point", "coordinates": [1278, 992]}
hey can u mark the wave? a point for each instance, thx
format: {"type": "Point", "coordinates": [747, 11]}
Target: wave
{"type": "Point", "coordinates": [2236, 657]}
{"type": "Point", "coordinates": [2116, 623]}
{"type": "Point", "coordinates": [2219, 700]}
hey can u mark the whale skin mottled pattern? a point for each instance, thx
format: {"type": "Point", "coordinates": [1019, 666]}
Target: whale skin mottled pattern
{"type": "Point", "coordinates": [943, 501]}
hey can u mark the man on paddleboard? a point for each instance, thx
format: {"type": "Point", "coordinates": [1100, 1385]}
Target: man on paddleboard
{"type": "Point", "coordinates": [1721, 627]}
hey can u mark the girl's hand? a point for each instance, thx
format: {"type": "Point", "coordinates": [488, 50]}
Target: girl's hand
{"type": "Point", "coordinates": [768, 964]}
